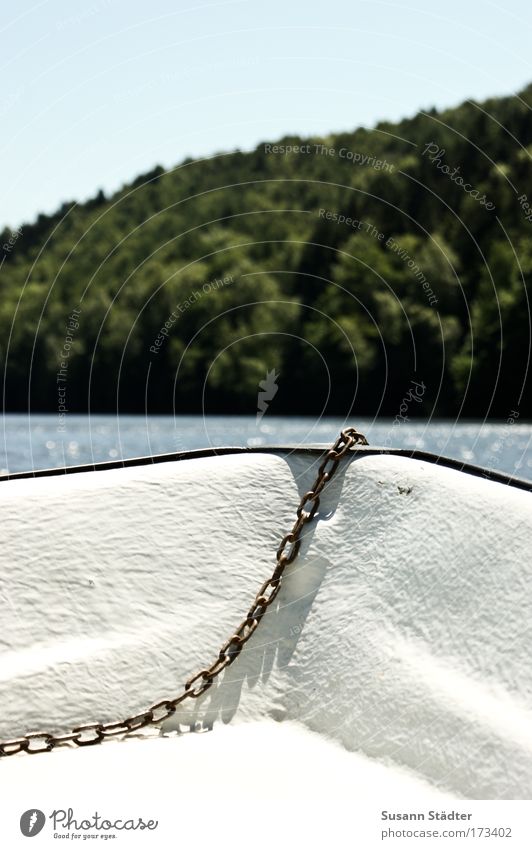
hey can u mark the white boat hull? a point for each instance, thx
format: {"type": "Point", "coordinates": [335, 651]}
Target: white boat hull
{"type": "Point", "coordinates": [402, 630]}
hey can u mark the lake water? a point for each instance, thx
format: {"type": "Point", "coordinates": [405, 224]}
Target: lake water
{"type": "Point", "coordinates": [35, 443]}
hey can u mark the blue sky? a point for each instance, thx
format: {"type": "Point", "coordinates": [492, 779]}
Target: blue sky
{"type": "Point", "coordinates": [96, 92]}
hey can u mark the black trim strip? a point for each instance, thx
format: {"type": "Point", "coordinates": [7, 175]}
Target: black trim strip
{"type": "Point", "coordinates": [414, 454]}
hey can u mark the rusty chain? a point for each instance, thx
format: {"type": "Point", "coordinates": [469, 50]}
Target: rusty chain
{"type": "Point", "coordinates": [86, 735]}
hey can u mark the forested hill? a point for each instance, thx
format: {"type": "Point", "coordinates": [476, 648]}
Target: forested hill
{"type": "Point", "coordinates": [348, 266]}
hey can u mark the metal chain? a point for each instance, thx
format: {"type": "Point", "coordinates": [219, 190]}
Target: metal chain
{"type": "Point", "coordinates": [198, 684]}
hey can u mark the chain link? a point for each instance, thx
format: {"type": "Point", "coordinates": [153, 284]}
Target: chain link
{"type": "Point", "coordinates": [198, 684]}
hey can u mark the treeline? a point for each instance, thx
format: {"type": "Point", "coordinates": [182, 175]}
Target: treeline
{"type": "Point", "coordinates": [348, 266]}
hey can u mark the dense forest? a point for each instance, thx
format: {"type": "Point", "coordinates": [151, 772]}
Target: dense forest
{"type": "Point", "coordinates": [346, 266]}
